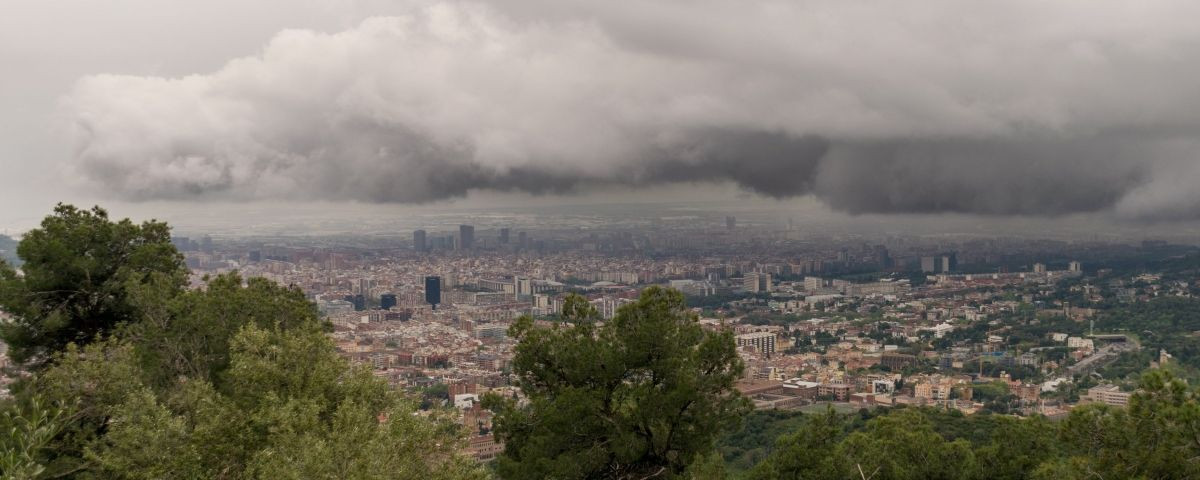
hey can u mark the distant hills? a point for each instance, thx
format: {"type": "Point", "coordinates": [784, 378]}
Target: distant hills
{"type": "Point", "coordinates": [8, 249]}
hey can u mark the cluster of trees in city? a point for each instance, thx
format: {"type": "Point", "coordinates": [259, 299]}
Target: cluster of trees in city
{"type": "Point", "coordinates": [1166, 324]}
{"type": "Point", "coordinates": [128, 373]}
{"type": "Point", "coordinates": [722, 299]}
{"type": "Point", "coordinates": [1176, 261]}
{"type": "Point", "coordinates": [1169, 323]}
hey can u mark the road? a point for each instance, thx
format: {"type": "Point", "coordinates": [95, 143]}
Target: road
{"type": "Point", "coordinates": [1103, 356]}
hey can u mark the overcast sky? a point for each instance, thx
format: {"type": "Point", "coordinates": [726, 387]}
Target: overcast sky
{"type": "Point", "coordinates": [992, 108]}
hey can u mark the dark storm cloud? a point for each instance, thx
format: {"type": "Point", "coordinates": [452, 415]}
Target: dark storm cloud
{"type": "Point", "coordinates": [768, 163]}
{"type": "Point", "coordinates": [1025, 176]}
{"type": "Point", "coordinates": [996, 107]}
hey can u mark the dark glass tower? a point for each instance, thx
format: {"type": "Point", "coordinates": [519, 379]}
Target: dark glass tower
{"type": "Point", "coordinates": [387, 300]}
{"type": "Point", "coordinates": [433, 291]}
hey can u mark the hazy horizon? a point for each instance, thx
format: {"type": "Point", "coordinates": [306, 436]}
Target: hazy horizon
{"type": "Point", "coordinates": [268, 219]}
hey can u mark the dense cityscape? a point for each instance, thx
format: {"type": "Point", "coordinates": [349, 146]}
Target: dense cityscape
{"type": "Point", "coordinates": [1015, 326]}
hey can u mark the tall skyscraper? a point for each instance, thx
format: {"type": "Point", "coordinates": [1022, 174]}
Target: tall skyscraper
{"type": "Point", "coordinates": [419, 241]}
{"type": "Point", "coordinates": [730, 222]}
{"type": "Point", "coordinates": [466, 237]}
{"type": "Point", "coordinates": [433, 291]}
{"type": "Point", "coordinates": [504, 236]}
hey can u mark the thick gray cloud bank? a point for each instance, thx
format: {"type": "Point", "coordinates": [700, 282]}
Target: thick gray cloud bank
{"type": "Point", "coordinates": [993, 107]}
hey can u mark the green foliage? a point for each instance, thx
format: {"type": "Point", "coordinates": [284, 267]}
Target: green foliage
{"type": "Point", "coordinates": [1026, 331]}
{"type": "Point", "coordinates": [188, 334]}
{"type": "Point", "coordinates": [1155, 437]}
{"type": "Point", "coordinates": [1168, 323]}
{"type": "Point", "coordinates": [808, 453]}
{"type": "Point", "coordinates": [78, 268]}
{"type": "Point", "coordinates": [1017, 446]}
{"type": "Point", "coordinates": [96, 378]}
{"type": "Point", "coordinates": [1129, 365]}
{"type": "Point", "coordinates": [911, 443]}
{"type": "Point", "coordinates": [284, 406]}
{"type": "Point", "coordinates": [290, 408]}
{"type": "Point", "coordinates": [746, 446]}
{"type": "Point", "coordinates": [987, 392]}
{"type": "Point", "coordinates": [434, 396]}
{"type": "Point", "coordinates": [719, 300]}
{"type": "Point", "coordinates": [904, 445]}
{"type": "Point", "coordinates": [26, 432]}
{"type": "Point", "coordinates": [706, 467]}
{"type": "Point", "coordinates": [954, 425]}
{"type": "Point", "coordinates": [646, 394]}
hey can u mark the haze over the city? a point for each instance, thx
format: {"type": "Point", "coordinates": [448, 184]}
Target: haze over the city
{"type": "Point", "coordinates": [1081, 112]}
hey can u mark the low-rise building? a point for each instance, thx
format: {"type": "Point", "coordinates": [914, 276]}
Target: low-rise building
{"type": "Point", "coordinates": [1108, 395]}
